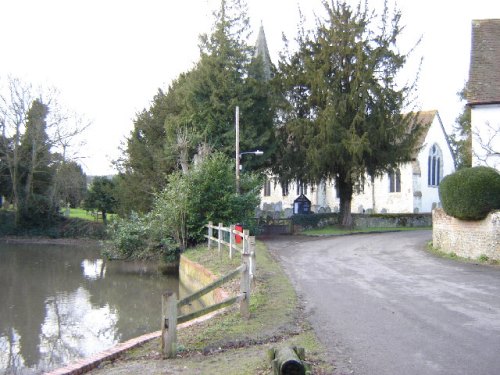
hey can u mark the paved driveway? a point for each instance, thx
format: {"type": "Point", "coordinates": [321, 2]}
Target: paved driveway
{"type": "Point", "coordinates": [383, 305]}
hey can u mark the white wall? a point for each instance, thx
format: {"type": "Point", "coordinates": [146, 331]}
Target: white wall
{"type": "Point", "coordinates": [430, 194]}
{"type": "Point", "coordinates": [485, 121]}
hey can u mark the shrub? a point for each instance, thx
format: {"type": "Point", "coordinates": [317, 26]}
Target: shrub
{"type": "Point", "coordinates": [180, 212]}
{"type": "Point", "coordinates": [137, 237]}
{"type": "Point", "coordinates": [470, 193]}
{"type": "Point", "coordinates": [127, 236]}
{"type": "Point", "coordinates": [206, 193]}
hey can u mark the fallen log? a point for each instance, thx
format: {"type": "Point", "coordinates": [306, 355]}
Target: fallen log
{"type": "Point", "coordinates": [286, 361]}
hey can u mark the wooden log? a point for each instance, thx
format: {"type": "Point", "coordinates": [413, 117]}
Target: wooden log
{"type": "Point", "coordinates": [286, 362]}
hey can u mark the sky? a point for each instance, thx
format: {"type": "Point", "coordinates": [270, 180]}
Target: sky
{"type": "Point", "coordinates": [108, 58]}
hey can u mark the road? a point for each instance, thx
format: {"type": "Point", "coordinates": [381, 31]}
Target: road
{"type": "Point", "coordinates": [384, 306]}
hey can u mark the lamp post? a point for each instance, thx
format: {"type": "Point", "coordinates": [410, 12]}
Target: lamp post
{"type": "Point", "coordinates": [238, 153]}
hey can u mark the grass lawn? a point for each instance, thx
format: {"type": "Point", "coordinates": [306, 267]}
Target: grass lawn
{"type": "Point", "coordinates": [80, 213]}
{"type": "Point", "coordinates": [339, 231]}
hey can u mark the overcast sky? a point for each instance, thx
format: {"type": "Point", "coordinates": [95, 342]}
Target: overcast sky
{"type": "Point", "coordinates": [107, 58]}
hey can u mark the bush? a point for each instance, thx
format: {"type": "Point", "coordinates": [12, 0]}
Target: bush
{"type": "Point", "coordinates": [471, 193]}
{"type": "Point", "coordinates": [137, 237]}
{"type": "Point", "coordinates": [180, 212]}
{"type": "Point", "coordinates": [206, 193]}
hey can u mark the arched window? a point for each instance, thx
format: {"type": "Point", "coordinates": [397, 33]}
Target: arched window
{"type": "Point", "coordinates": [395, 181]}
{"type": "Point", "coordinates": [267, 187]}
{"type": "Point", "coordinates": [434, 166]}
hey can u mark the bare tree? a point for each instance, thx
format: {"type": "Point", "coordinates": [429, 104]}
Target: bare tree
{"type": "Point", "coordinates": [14, 106]}
{"type": "Point", "coordinates": [55, 130]}
{"type": "Point", "coordinates": [487, 140]}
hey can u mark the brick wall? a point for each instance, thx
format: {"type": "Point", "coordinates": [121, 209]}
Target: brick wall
{"type": "Point", "coordinates": [193, 277]}
{"type": "Point", "coordinates": [468, 239]}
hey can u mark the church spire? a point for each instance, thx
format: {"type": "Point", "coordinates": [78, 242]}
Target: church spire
{"type": "Point", "coordinates": [261, 51]}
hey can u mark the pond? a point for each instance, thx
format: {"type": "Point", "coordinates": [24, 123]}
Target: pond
{"type": "Point", "coordinates": [60, 303]}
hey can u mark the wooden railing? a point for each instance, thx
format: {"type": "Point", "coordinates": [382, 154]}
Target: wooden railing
{"type": "Point", "coordinates": [234, 240]}
{"type": "Point", "coordinates": [170, 305]}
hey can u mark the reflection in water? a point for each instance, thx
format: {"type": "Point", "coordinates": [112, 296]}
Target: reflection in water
{"type": "Point", "coordinates": [61, 303]}
{"type": "Point", "coordinates": [94, 269]}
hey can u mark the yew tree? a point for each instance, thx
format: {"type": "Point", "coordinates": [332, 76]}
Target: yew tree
{"type": "Point", "coordinates": [342, 117]}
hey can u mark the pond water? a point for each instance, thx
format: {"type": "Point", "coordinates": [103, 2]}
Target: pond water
{"type": "Point", "coordinates": [62, 303]}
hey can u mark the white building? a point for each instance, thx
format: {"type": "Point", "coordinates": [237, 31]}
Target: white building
{"type": "Point", "coordinates": [413, 188]}
{"type": "Point", "coordinates": [483, 92]}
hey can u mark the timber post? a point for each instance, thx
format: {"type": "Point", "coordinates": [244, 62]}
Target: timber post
{"type": "Point", "coordinates": [210, 234]}
{"type": "Point", "coordinates": [245, 278]}
{"type": "Point", "coordinates": [231, 241]}
{"type": "Point", "coordinates": [169, 324]}
{"type": "Point", "coordinates": [251, 241]}
{"type": "Point", "coordinates": [219, 242]}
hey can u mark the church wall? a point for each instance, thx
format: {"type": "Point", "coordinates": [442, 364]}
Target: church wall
{"type": "Point", "coordinates": [485, 122]}
{"type": "Point", "coordinates": [430, 194]}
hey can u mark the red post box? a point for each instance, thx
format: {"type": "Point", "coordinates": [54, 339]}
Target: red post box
{"type": "Point", "coordinates": [237, 237]}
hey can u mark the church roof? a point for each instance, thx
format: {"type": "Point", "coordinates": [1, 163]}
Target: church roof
{"type": "Point", "coordinates": [426, 118]}
{"type": "Point", "coordinates": [262, 51]}
{"type": "Point", "coordinates": [484, 70]}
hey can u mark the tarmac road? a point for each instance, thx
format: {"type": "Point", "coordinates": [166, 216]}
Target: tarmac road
{"type": "Point", "coordinates": [384, 306]}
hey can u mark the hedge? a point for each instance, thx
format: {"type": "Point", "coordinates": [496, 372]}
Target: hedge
{"type": "Point", "coordinates": [470, 193]}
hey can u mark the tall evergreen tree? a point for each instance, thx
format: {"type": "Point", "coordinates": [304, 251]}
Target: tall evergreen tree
{"type": "Point", "coordinates": [219, 77]}
{"type": "Point", "coordinates": [199, 109]}
{"type": "Point", "coordinates": [343, 118]}
{"type": "Point", "coordinates": [461, 140]}
{"type": "Point", "coordinates": [36, 172]}
{"type": "Point", "coordinates": [144, 167]}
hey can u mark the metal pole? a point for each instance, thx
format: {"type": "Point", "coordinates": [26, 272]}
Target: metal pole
{"type": "Point", "coordinates": [237, 150]}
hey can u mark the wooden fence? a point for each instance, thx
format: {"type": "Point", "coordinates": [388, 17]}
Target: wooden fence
{"type": "Point", "coordinates": [234, 240]}
{"type": "Point", "coordinates": [170, 305]}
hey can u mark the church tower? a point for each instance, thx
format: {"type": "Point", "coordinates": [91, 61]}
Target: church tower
{"type": "Point", "coordinates": [262, 52]}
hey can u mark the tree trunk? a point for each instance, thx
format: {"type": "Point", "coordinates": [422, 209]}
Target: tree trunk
{"type": "Point", "coordinates": [345, 186]}
{"type": "Point", "coordinates": [374, 209]}
{"type": "Point", "coordinates": [345, 212]}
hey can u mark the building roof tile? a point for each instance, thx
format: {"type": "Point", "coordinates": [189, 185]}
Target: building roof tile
{"type": "Point", "coordinates": [484, 71]}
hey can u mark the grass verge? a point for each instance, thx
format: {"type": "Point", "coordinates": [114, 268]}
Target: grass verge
{"type": "Point", "coordinates": [227, 343]}
{"type": "Point", "coordinates": [331, 230]}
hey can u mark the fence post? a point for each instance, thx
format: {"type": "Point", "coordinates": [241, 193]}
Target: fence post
{"type": "Point", "coordinates": [219, 240]}
{"type": "Point", "coordinates": [246, 245]}
{"type": "Point", "coordinates": [210, 234]}
{"type": "Point", "coordinates": [231, 241]}
{"type": "Point", "coordinates": [169, 324]}
{"type": "Point", "coordinates": [245, 278]}
{"type": "Point", "coordinates": [252, 247]}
